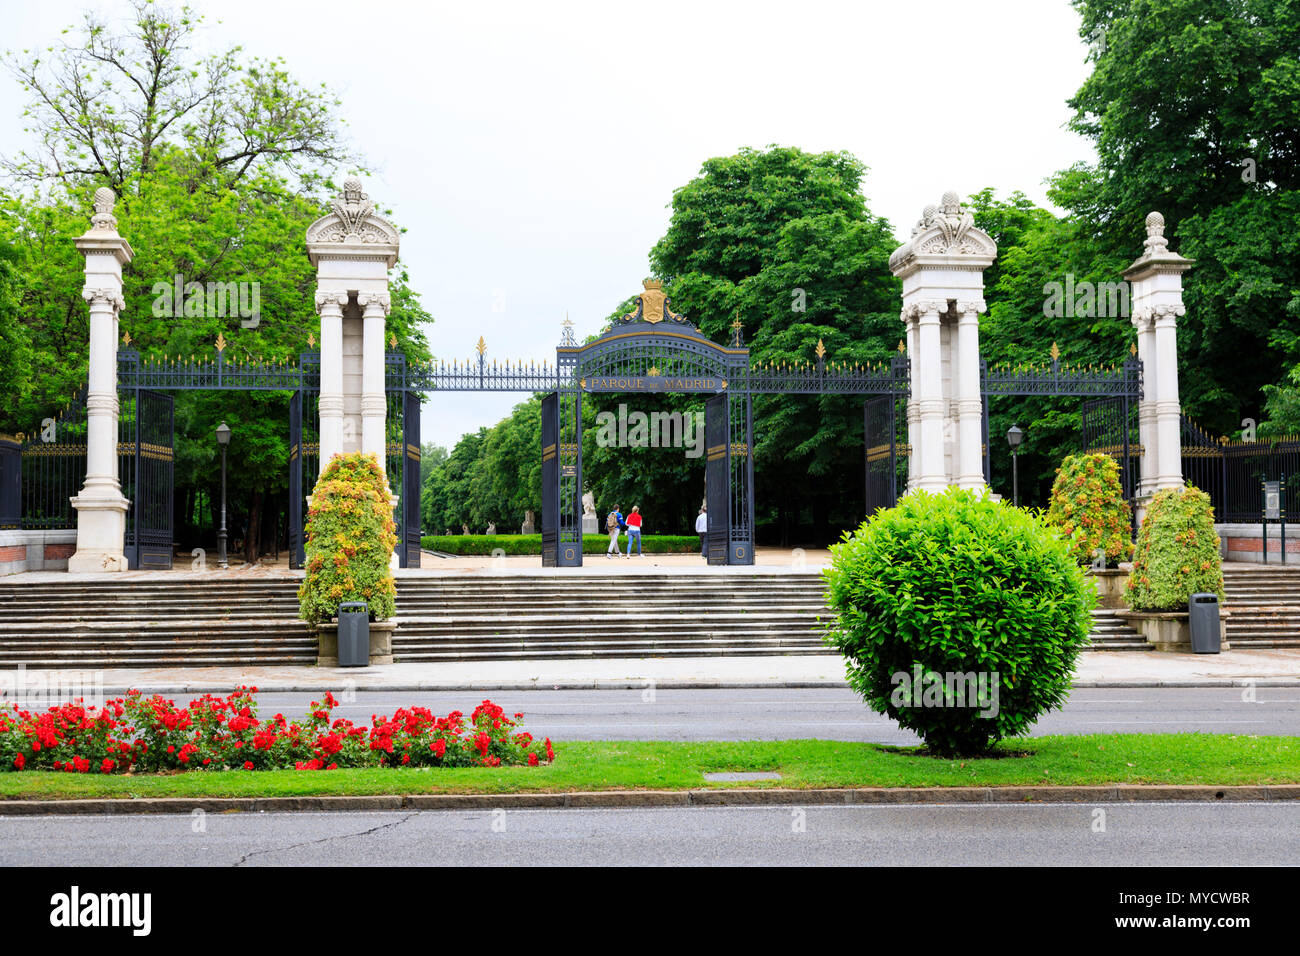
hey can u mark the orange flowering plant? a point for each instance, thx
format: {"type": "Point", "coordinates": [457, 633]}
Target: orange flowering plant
{"type": "Point", "coordinates": [1089, 509]}
{"type": "Point", "coordinates": [1177, 552]}
{"type": "Point", "coordinates": [350, 541]}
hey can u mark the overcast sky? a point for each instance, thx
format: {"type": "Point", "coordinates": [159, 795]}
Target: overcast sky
{"type": "Point", "coordinates": [531, 150]}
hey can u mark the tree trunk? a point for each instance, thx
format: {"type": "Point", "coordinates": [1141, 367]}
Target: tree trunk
{"type": "Point", "coordinates": [253, 538]}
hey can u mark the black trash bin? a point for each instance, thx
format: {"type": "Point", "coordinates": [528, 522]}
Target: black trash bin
{"type": "Point", "coordinates": [354, 634]}
{"type": "Point", "coordinates": [1203, 617]}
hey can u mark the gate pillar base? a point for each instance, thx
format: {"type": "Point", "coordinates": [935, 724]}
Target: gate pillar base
{"type": "Point", "coordinates": [101, 530]}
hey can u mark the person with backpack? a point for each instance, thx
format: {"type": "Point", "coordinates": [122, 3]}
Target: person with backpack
{"type": "Point", "coordinates": [613, 524]}
{"type": "Point", "coordinates": [634, 531]}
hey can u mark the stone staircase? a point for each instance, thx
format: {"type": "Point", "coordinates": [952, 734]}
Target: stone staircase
{"type": "Point", "coordinates": [1263, 602]}
{"type": "Point", "coordinates": [161, 621]}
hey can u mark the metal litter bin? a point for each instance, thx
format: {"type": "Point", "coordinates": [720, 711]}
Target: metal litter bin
{"type": "Point", "coordinates": [1203, 617]}
{"type": "Point", "coordinates": [354, 634]}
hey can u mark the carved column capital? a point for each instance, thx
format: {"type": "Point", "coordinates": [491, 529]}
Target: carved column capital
{"type": "Point", "coordinates": [330, 301]}
{"type": "Point", "coordinates": [104, 295]}
{"type": "Point", "coordinates": [372, 302]}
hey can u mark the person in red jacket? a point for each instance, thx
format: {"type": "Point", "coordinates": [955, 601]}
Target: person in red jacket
{"type": "Point", "coordinates": [634, 531]}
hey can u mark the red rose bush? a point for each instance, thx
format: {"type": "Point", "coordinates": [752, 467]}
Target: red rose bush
{"type": "Point", "coordinates": [137, 734]}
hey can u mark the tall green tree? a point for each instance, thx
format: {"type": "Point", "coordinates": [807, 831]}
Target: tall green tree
{"type": "Point", "coordinates": [784, 240]}
{"type": "Point", "coordinates": [217, 164]}
{"type": "Point", "coordinates": [1194, 109]}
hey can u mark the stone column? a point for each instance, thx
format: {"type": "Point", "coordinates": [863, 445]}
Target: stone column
{"type": "Point", "coordinates": [352, 249]}
{"type": "Point", "coordinates": [373, 398]}
{"type": "Point", "coordinates": [330, 305]}
{"type": "Point", "coordinates": [101, 507]}
{"type": "Point", "coordinates": [969, 404]}
{"type": "Point", "coordinates": [1157, 297]}
{"type": "Point", "coordinates": [1168, 426]}
{"type": "Point", "coordinates": [1147, 404]}
{"type": "Point", "coordinates": [913, 413]}
{"type": "Point", "coordinates": [929, 398]}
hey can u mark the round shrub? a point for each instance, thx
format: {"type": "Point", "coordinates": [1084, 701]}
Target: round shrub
{"type": "Point", "coordinates": [947, 593]}
{"type": "Point", "coordinates": [1088, 507]}
{"type": "Point", "coordinates": [350, 540]}
{"type": "Point", "coordinates": [1177, 552]}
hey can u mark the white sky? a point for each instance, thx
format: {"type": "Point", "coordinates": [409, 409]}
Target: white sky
{"type": "Point", "coordinates": [531, 150]}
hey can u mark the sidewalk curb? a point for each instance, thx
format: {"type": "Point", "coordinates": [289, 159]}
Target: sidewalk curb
{"type": "Point", "coordinates": [864, 796]}
{"type": "Point", "coordinates": [273, 687]}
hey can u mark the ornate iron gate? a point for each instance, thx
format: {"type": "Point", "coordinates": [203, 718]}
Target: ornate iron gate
{"type": "Point", "coordinates": [717, 474]}
{"type": "Point", "coordinates": [550, 480]}
{"type": "Point", "coordinates": [879, 424]}
{"type": "Point", "coordinates": [409, 528]}
{"type": "Point", "coordinates": [149, 524]}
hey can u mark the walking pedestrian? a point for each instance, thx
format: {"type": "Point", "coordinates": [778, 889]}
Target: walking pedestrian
{"type": "Point", "coordinates": [702, 529]}
{"type": "Point", "coordinates": [634, 531]}
{"type": "Point", "coordinates": [613, 524]}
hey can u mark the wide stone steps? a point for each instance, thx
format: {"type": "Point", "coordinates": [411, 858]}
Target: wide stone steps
{"type": "Point", "coordinates": [189, 622]}
{"type": "Point", "coordinates": [1263, 605]}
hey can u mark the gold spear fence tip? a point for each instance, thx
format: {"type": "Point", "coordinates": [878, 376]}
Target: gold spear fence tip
{"type": "Point", "coordinates": [392, 341]}
{"type": "Point", "coordinates": [901, 347]}
{"type": "Point", "coordinates": [1056, 352]}
{"type": "Point", "coordinates": [821, 349]}
{"type": "Point", "coordinates": [221, 342]}
{"type": "Point", "coordinates": [482, 346]}
{"type": "Point", "coordinates": [311, 340]}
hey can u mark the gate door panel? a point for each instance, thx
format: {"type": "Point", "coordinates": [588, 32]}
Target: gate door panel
{"type": "Point", "coordinates": [717, 477]}
{"type": "Point", "coordinates": [550, 481]}
{"type": "Point", "coordinates": [881, 453]}
{"type": "Point", "coordinates": [154, 473]}
{"type": "Point", "coordinates": [296, 542]}
{"type": "Point", "coordinates": [409, 531]}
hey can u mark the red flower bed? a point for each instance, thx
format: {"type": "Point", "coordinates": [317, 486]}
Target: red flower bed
{"type": "Point", "coordinates": [151, 734]}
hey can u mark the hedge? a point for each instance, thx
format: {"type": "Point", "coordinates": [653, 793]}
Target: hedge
{"type": "Point", "coordinates": [516, 544]}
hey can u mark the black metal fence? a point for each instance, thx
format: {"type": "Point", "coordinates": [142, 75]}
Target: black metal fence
{"type": "Point", "coordinates": [1233, 472]}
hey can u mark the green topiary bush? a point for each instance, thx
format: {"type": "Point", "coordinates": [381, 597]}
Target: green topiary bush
{"type": "Point", "coordinates": [1177, 552]}
{"type": "Point", "coordinates": [1088, 506]}
{"type": "Point", "coordinates": [350, 541]}
{"type": "Point", "coordinates": [950, 590]}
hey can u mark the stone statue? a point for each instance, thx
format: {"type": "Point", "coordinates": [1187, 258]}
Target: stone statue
{"type": "Point", "coordinates": [491, 528]}
{"type": "Point", "coordinates": [464, 528]}
{"type": "Point", "coordinates": [590, 525]}
{"type": "Point", "coordinates": [530, 524]}
{"type": "Point", "coordinates": [353, 207]}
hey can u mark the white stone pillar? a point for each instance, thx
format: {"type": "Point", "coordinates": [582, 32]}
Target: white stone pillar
{"type": "Point", "coordinates": [330, 306]}
{"type": "Point", "coordinates": [352, 248]}
{"type": "Point", "coordinates": [1157, 298]}
{"type": "Point", "coordinates": [1146, 350]}
{"type": "Point", "coordinates": [101, 507]}
{"type": "Point", "coordinates": [1169, 462]}
{"type": "Point", "coordinates": [942, 270]}
{"type": "Point", "coordinates": [929, 398]}
{"type": "Point", "coordinates": [913, 413]}
{"type": "Point", "coordinates": [969, 403]}
{"type": "Point", "coordinates": [373, 399]}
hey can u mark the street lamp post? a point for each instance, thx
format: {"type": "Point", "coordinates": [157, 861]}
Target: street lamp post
{"type": "Point", "coordinates": [223, 439]}
{"type": "Point", "coordinates": [1015, 435]}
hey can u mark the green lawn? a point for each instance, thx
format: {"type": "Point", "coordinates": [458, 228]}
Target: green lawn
{"type": "Point", "coordinates": [1213, 759]}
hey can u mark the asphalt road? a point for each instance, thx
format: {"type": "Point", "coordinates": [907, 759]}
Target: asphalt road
{"type": "Point", "coordinates": [1174, 834]}
{"type": "Point", "coordinates": [826, 713]}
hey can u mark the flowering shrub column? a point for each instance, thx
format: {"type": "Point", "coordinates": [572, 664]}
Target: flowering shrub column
{"type": "Point", "coordinates": [350, 541]}
{"type": "Point", "coordinates": [1088, 507]}
{"type": "Point", "coordinates": [1177, 552]}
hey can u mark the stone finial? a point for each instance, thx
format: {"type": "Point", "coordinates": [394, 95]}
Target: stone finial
{"type": "Point", "coordinates": [1156, 243]}
{"type": "Point", "coordinates": [105, 199]}
{"type": "Point", "coordinates": [352, 207]}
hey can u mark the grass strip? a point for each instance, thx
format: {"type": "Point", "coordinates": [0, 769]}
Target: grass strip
{"type": "Point", "coordinates": [1209, 759]}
